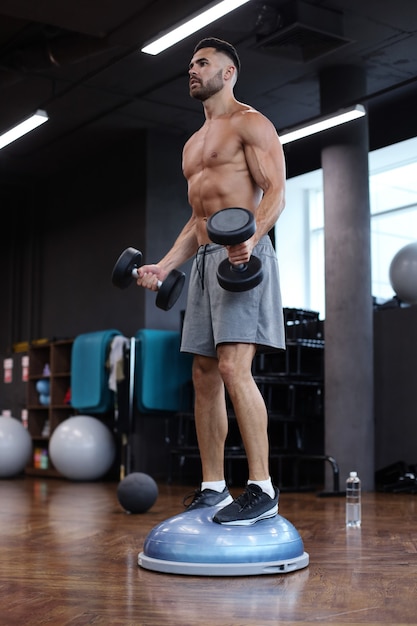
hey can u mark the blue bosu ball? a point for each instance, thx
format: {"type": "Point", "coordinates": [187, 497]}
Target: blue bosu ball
{"type": "Point", "coordinates": [191, 543]}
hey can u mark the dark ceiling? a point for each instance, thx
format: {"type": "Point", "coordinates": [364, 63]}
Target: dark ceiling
{"type": "Point", "coordinates": [79, 60]}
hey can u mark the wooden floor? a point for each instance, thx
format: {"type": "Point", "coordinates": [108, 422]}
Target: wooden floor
{"type": "Point", "coordinates": [69, 557]}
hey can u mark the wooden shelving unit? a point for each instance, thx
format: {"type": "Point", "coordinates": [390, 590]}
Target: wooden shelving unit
{"type": "Point", "coordinates": [50, 362]}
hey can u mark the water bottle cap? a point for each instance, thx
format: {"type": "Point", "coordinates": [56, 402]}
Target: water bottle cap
{"type": "Point", "coordinates": [353, 474]}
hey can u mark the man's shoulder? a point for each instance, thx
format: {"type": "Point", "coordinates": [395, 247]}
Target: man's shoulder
{"type": "Point", "coordinates": [249, 116]}
{"type": "Point", "coordinates": [245, 109]}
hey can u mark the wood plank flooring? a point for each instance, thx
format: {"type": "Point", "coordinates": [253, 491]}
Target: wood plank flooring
{"type": "Point", "coordinates": [69, 557]}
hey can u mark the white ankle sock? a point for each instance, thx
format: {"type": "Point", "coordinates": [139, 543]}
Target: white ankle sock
{"type": "Point", "coordinates": [215, 485]}
{"type": "Point", "coordinates": [265, 485]}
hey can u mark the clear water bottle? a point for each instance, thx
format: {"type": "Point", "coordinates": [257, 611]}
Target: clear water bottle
{"type": "Point", "coordinates": [353, 501]}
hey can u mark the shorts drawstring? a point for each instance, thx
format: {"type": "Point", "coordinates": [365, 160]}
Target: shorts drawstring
{"type": "Point", "coordinates": [203, 262]}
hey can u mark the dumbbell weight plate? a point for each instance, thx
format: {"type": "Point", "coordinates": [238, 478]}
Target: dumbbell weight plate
{"type": "Point", "coordinates": [231, 226]}
{"type": "Point", "coordinates": [129, 260]}
{"type": "Point", "coordinates": [240, 277]}
{"type": "Point", "coordinates": [170, 290]}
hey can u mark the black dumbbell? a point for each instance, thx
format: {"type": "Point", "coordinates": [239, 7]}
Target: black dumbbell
{"type": "Point", "coordinates": [126, 270]}
{"type": "Point", "coordinates": [229, 227]}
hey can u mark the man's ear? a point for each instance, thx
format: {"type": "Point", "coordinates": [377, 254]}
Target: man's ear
{"type": "Point", "coordinates": [229, 72]}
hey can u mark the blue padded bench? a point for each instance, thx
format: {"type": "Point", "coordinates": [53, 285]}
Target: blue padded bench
{"type": "Point", "coordinates": [162, 372]}
{"type": "Point", "coordinates": [90, 392]}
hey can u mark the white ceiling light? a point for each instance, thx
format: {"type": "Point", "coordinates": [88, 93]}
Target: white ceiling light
{"type": "Point", "coordinates": [23, 127]}
{"type": "Point", "coordinates": [195, 23]}
{"type": "Point", "coordinates": [323, 123]}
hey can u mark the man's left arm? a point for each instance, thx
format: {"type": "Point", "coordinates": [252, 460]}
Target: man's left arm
{"type": "Point", "coordinates": [266, 162]}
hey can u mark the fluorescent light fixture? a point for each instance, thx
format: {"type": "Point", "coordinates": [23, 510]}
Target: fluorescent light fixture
{"type": "Point", "coordinates": [323, 123]}
{"type": "Point", "coordinates": [192, 25]}
{"type": "Point", "coordinates": [24, 127]}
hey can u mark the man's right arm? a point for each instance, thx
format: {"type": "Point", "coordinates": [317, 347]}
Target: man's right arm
{"type": "Point", "coordinates": [185, 247]}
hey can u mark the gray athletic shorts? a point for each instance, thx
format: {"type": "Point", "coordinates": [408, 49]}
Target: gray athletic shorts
{"type": "Point", "coordinates": [214, 315]}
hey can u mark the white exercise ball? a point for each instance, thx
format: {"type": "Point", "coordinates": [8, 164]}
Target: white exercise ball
{"type": "Point", "coordinates": [15, 446]}
{"type": "Point", "coordinates": [403, 273]}
{"type": "Point", "coordinates": [82, 448]}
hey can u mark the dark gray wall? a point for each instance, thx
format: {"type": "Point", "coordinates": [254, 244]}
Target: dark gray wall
{"type": "Point", "coordinates": [67, 233]}
{"type": "Point", "coordinates": [167, 212]}
{"type": "Point", "coordinates": [395, 355]}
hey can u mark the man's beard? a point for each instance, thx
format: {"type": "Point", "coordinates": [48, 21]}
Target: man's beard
{"type": "Point", "coordinates": [213, 86]}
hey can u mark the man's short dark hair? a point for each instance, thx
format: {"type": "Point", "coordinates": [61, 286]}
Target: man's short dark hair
{"type": "Point", "coordinates": [221, 46]}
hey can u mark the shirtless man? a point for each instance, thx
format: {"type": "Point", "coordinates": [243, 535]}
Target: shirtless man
{"type": "Point", "coordinates": [234, 160]}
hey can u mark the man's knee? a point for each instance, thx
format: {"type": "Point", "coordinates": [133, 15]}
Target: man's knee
{"type": "Point", "coordinates": [235, 361]}
{"type": "Point", "coordinates": [205, 372]}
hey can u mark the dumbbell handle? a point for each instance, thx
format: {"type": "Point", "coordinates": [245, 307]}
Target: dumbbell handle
{"type": "Point", "coordinates": [136, 275]}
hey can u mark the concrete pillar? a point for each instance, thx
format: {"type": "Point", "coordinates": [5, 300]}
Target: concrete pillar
{"type": "Point", "coordinates": [349, 415]}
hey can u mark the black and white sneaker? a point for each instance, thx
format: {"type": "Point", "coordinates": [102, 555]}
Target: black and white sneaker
{"type": "Point", "coordinates": [250, 507]}
{"type": "Point", "coordinates": [208, 497]}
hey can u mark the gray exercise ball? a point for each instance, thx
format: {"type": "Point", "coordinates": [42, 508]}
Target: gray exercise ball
{"type": "Point", "coordinates": [82, 448]}
{"type": "Point", "coordinates": [403, 273]}
{"type": "Point", "coordinates": [15, 446]}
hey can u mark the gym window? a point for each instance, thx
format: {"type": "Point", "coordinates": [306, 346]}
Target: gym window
{"type": "Point", "coordinates": [300, 229]}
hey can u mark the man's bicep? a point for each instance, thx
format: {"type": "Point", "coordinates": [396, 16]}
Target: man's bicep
{"type": "Point", "coordinates": [265, 156]}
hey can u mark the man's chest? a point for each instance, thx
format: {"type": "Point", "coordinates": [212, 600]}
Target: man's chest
{"type": "Point", "coordinates": [212, 147]}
